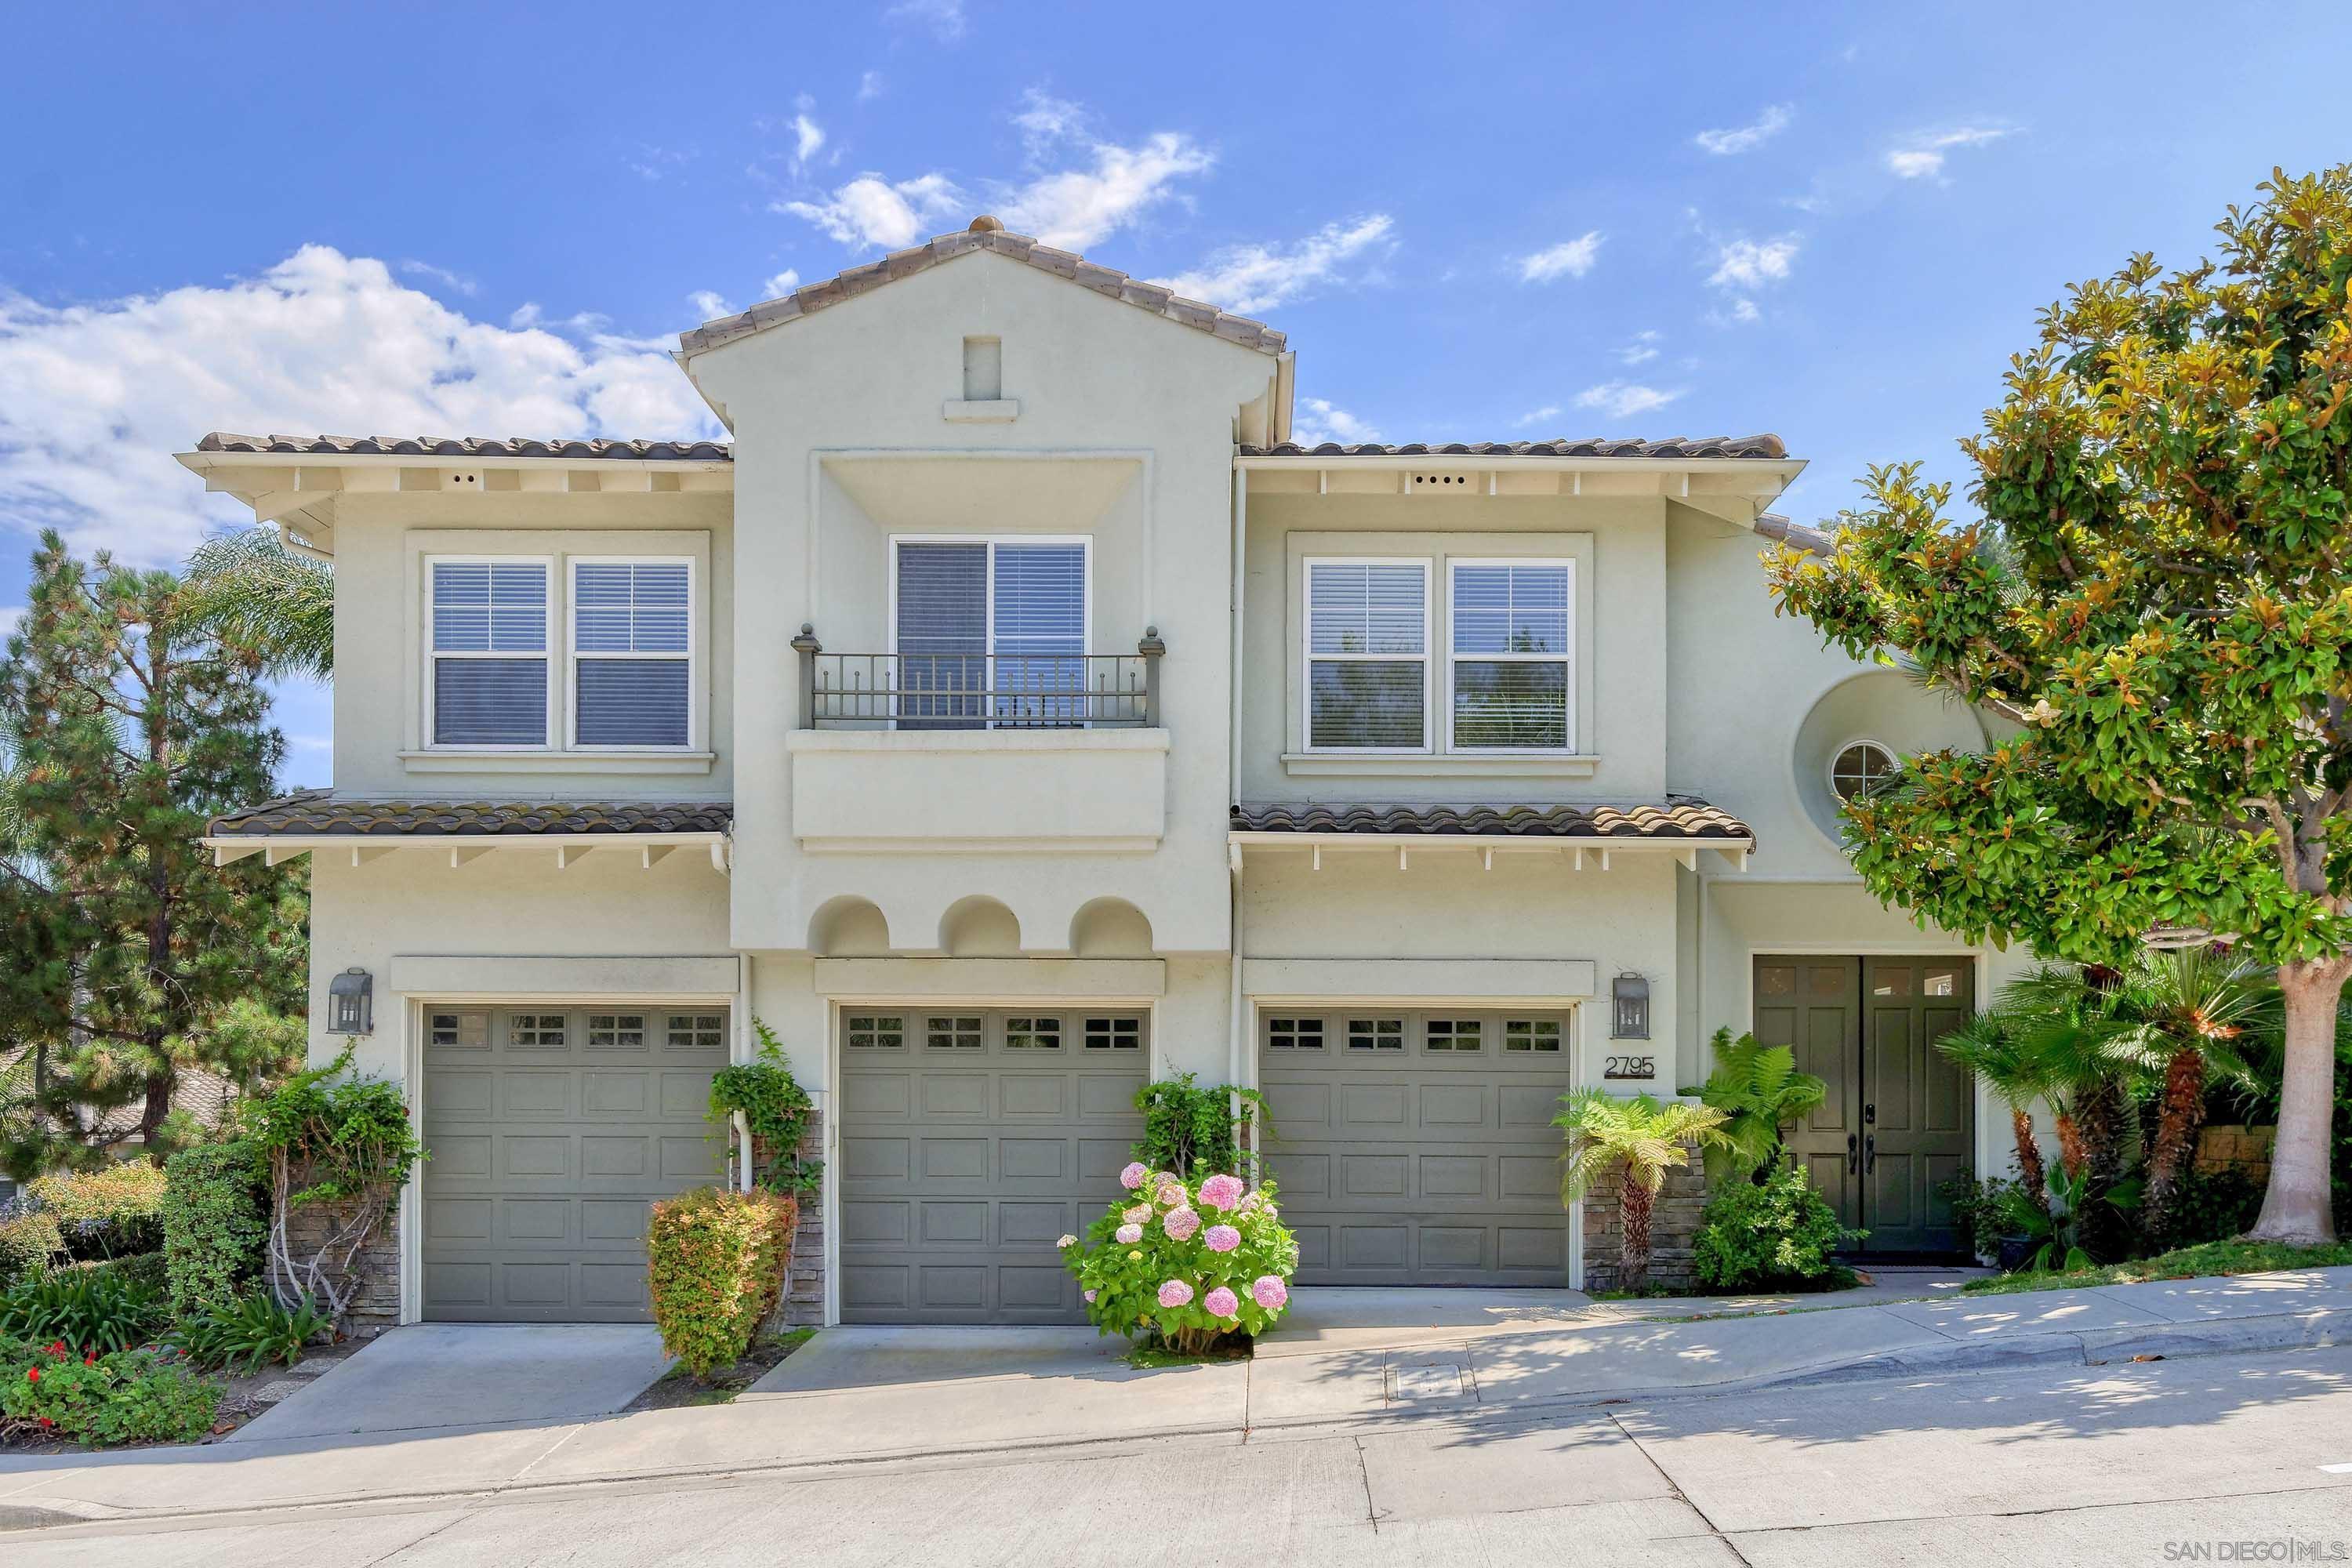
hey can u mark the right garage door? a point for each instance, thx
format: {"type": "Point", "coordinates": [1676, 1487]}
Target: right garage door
{"type": "Point", "coordinates": [1418, 1148]}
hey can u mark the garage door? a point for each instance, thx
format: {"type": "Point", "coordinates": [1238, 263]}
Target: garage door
{"type": "Point", "coordinates": [1417, 1148]}
{"type": "Point", "coordinates": [552, 1132]}
{"type": "Point", "coordinates": [971, 1141]}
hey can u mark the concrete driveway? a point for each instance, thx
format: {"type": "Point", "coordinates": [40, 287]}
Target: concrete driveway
{"type": "Point", "coordinates": [470, 1375]}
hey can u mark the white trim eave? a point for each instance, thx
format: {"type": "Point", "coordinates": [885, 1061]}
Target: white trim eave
{"type": "Point", "coordinates": [213, 462]}
{"type": "Point", "coordinates": [570, 849]}
{"type": "Point", "coordinates": [1405, 846]}
{"type": "Point", "coordinates": [1785, 470]}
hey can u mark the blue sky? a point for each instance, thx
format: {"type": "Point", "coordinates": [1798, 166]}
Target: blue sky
{"type": "Point", "coordinates": [1515, 222]}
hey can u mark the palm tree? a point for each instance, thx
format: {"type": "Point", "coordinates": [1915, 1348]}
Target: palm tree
{"type": "Point", "coordinates": [1985, 1046]}
{"type": "Point", "coordinates": [1641, 1137]}
{"type": "Point", "coordinates": [253, 592]}
{"type": "Point", "coordinates": [1762, 1094]}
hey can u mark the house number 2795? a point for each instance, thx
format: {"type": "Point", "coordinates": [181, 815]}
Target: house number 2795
{"type": "Point", "coordinates": [1629, 1066]}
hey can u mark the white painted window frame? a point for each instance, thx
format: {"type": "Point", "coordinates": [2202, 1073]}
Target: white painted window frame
{"type": "Point", "coordinates": [551, 653]}
{"type": "Point", "coordinates": [1084, 541]}
{"type": "Point", "coordinates": [1565, 658]}
{"type": "Point", "coordinates": [571, 654]}
{"type": "Point", "coordinates": [1426, 657]}
{"type": "Point", "coordinates": [1829, 769]}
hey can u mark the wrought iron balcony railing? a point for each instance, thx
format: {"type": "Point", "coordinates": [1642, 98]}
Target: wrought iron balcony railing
{"type": "Point", "coordinates": [978, 692]}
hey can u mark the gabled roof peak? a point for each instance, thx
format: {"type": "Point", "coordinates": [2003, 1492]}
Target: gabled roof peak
{"type": "Point", "coordinates": [985, 233]}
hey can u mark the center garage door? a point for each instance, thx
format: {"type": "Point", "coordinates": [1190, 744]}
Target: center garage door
{"type": "Point", "coordinates": [971, 1141]}
{"type": "Point", "coordinates": [1417, 1148]}
{"type": "Point", "coordinates": [552, 1132]}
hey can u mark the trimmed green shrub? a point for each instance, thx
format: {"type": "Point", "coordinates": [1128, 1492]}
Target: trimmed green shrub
{"type": "Point", "coordinates": [28, 1241]}
{"type": "Point", "coordinates": [144, 1395]}
{"type": "Point", "coordinates": [717, 1265]}
{"type": "Point", "coordinates": [2207, 1206]}
{"type": "Point", "coordinates": [88, 1311]}
{"type": "Point", "coordinates": [104, 1214]}
{"type": "Point", "coordinates": [213, 1225]}
{"type": "Point", "coordinates": [1774, 1235]}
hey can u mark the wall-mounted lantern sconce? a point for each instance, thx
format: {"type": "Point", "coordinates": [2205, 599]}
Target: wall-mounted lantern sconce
{"type": "Point", "coordinates": [351, 1003]}
{"type": "Point", "coordinates": [1629, 1013]}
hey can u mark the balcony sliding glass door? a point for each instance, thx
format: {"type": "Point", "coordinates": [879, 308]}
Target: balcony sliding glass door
{"type": "Point", "coordinates": [989, 634]}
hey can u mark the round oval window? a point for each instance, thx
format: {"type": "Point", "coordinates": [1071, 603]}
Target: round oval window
{"type": "Point", "coordinates": [1861, 768]}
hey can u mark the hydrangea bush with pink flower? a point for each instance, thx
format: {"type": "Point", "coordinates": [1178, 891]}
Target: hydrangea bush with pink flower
{"type": "Point", "coordinates": [1207, 1258]}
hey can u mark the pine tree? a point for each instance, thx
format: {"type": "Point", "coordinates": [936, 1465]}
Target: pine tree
{"type": "Point", "coordinates": [126, 956]}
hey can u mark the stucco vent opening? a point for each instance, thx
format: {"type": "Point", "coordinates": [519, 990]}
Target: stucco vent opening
{"type": "Point", "coordinates": [1445, 484]}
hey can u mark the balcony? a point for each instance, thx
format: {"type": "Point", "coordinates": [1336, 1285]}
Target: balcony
{"type": "Point", "coordinates": [948, 753]}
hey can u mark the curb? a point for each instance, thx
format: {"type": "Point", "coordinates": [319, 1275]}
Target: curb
{"type": "Point", "coordinates": [2320, 1328]}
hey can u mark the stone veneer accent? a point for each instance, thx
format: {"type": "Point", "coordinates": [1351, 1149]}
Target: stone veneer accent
{"type": "Point", "coordinates": [2243, 1149]}
{"type": "Point", "coordinates": [1674, 1223]}
{"type": "Point", "coordinates": [375, 1296]}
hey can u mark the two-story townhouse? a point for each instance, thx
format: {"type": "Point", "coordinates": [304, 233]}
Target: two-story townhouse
{"type": "Point", "coordinates": [1013, 714]}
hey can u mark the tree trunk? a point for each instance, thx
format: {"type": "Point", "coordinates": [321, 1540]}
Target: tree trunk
{"type": "Point", "coordinates": [1634, 1249]}
{"type": "Point", "coordinates": [2071, 1154]}
{"type": "Point", "coordinates": [2297, 1209]}
{"type": "Point", "coordinates": [2183, 1112]}
{"type": "Point", "coordinates": [2030, 1173]}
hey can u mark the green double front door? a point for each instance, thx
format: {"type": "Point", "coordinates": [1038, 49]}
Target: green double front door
{"type": "Point", "coordinates": [1899, 1120]}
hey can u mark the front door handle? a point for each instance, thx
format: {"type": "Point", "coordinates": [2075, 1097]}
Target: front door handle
{"type": "Point", "coordinates": [1870, 1155]}
{"type": "Point", "coordinates": [1853, 1154]}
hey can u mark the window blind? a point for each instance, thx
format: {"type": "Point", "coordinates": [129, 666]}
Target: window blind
{"type": "Point", "coordinates": [632, 642]}
{"type": "Point", "coordinates": [1510, 647]}
{"type": "Point", "coordinates": [943, 636]}
{"type": "Point", "coordinates": [990, 631]}
{"type": "Point", "coordinates": [1368, 669]}
{"type": "Point", "coordinates": [488, 620]}
{"type": "Point", "coordinates": [1038, 607]}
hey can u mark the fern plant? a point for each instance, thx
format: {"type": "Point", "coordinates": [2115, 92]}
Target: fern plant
{"type": "Point", "coordinates": [1641, 1137]}
{"type": "Point", "coordinates": [1761, 1095]}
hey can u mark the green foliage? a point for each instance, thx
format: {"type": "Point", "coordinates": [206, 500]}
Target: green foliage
{"type": "Point", "coordinates": [2157, 597]}
{"type": "Point", "coordinates": [349, 1141]}
{"type": "Point", "coordinates": [106, 1212]}
{"type": "Point", "coordinates": [86, 1310]}
{"type": "Point", "coordinates": [1762, 1095]}
{"type": "Point", "coordinates": [1979, 1210]}
{"type": "Point", "coordinates": [776, 1109]}
{"type": "Point", "coordinates": [1160, 1236]}
{"type": "Point", "coordinates": [213, 1225]}
{"type": "Point", "coordinates": [255, 593]}
{"type": "Point", "coordinates": [1194, 1131]}
{"type": "Point", "coordinates": [2061, 1234]}
{"type": "Point", "coordinates": [2211, 1259]}
{"type": "Point", "coordinates": [122, 947]}
{"type": "Point", "coordinates": [144, 1395]}
{"type": "Point", "coordinates": [2211, 1206]}
{"type": "Point", "coordinates": [142, 1268]}
{"type": "Point", "coordinates": [1774, 1233]}
{"type": "Point", "coordinates": [717, 1261]}
{"type": "Point", "coordinates": [246, 1332]}
{"type": "Point", "coordinates": [28, 1240]}
{"type": "Point", "coordinates": [1640, 1136]}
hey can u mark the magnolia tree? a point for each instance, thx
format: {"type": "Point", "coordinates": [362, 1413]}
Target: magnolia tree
{"type": "Point", "coordinates": [2160, 595]}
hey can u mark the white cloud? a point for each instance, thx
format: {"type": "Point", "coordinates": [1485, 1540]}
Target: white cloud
{"type": "Point", "coordinates": [1745, 309]}
{"type": "Point", "coordinates": [1047, 119]}
{"type": "Point", "coordinates": [442, 276]}
{"type": "Point", "coordinates": [1750, 263]}
{"type": "Point", "coordinates": [709, 304]}
{"type": "Point", "coordinates": [1259, 277]}
{"type": "Point", "coordinates": [1072, 209]}
{"type": "Point", "coordinates": [871, 210]}
{"type": "Point", "coordinates": [943, 19]}
{"type": "Point", "coordinates": [781, 284]}
{"type": "Point", "coordinates": [1623, 399]}
{"type": "Point", "coordinates": [1747, 138]}
{"type": "Point", "coordinates": [1640, 351]}
{"type": "Point", "coordinates": [808, 136]}
{"type": "Point", "coordinates": [1544, 415]}
{"type": "Point", "coordinates": [95, 398]}
{"type": "Point", "coordinates": [1573, 257]}
{"type": "Point", "coordinates": [1316, 422]}
{"type": "Point", "coordinates": [11, 618]}
{"type": "Point", "coordinates": [1921, 156]}
{"type": "Point", "coordinates": [869, 86]}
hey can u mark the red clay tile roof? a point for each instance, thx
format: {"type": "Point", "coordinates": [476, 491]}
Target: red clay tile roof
{"type": "Point", "coordinates": [1678, 818]}
{"type": "Point", "coordinates": [1768, 447]}
{"type": "Point", "coordinates": [471, 446]}
{"type": "Point", "coordinates": [313, 811]}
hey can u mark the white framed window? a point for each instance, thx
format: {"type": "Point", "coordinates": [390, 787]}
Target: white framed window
{"type": "Point", "coordinates": [1861, 767]}
{"type": "Point", "coordinates": [489, 675]}
{"type": "Point", "coordinates": [632, 653]}
{"type": "Point", "coordinates": [1510, 636]}
{"type": "Point", "coordinates": [1367, 629]}
{"type": "Point", "coordinates": [989, 633]}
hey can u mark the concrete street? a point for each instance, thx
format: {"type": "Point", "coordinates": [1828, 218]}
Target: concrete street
{"type": "Point", "coordinates": [2131, 1463]}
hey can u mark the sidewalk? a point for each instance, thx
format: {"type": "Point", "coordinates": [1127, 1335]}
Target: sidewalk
{"type": "Point", "coordinates": [1044, 1388]}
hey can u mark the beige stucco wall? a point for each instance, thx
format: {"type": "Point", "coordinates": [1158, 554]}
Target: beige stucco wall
{"type": "Point", "coordinates": [1124, 435]}
{"type": "Point", "coordinates": [379, 539]}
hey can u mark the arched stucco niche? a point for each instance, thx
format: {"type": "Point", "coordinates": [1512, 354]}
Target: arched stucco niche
{"type": "Point", "coordinates": [1882, 705]}
{"type": "Point", "coordinates": [1110, 928]}
{"type": "Point", "coordinates": [848, 927]}
{"type": "Point", "coordinates": [979, 927]}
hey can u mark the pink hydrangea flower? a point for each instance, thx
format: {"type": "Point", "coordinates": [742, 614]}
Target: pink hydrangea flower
{"type": "Point", "coordinates": [1129, 1234]}
{"type": "Point", "coordinates": [1137, 1214]}
{"type": "Point", "coordinates": [1268, 1291]}
{"type": "Point", "coordinates": [1222, 1303]}
{"type": "Point", "coordinates": [1134, 1175]}
{"type": "Point", "coordinates": [1174, 1293]}
{"type": "Point", "coordinates": [1222, 1239]}
{"type": "Point", "coordinates": [1090, 1296]}
{"type": "Point", "coordinates": [1222, 1192]}
{"type": "Point", "coordinates": [1180, 1224]}
{"type": "Point", "coordinates": [1171, 1195]}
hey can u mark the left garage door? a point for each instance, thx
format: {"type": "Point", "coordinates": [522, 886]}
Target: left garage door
{"type": "Point", "coordinates": [552, 1132]}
